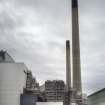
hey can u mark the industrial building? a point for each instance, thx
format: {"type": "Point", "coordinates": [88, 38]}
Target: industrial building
{"type": "Point", "coordinates": [31, 83]}
{"type": "Point", "coordinates": [97, 98]}
{"type": "Point", "coordinates": [54, 90]}
{"type": "Point", "coordinates": [12, 79]}
{"type": "Point", "coordinates": [31, 92]}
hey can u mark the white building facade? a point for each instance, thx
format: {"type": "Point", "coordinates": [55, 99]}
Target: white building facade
{"type": "Point", "coordinates": [12, 81]}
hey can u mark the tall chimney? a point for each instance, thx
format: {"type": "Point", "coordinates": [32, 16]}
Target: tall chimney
{"type": "Point", "coordinates": [76, 48]}
{"type": "Point", "coordinates": [68, 66]}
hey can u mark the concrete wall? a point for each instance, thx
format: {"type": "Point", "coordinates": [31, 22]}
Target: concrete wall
{"type": "Point", "coordinates": [12, 81]}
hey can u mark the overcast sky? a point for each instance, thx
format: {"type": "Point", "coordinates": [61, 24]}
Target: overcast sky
{"type": "Point", "coordinates": [35, 31]}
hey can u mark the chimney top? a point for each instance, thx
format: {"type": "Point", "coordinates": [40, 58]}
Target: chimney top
{"type": "Point", "coordinates": [67, 43]}
{"type": "Point", "coordinates": [74, 3]}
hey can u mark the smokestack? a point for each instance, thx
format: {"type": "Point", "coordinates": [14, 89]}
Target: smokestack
{"type": "Point", "coordinates": [76, 48]}
{"type": "Point", "coordinates": [68, 65]}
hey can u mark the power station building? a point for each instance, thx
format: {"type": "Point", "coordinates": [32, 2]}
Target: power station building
{"type": "Point", "coordinates": [12, 79]}
{"type": "Point", "coordinates": [54, 90]}
{"type": "Point", "coordinates": [97, 98]}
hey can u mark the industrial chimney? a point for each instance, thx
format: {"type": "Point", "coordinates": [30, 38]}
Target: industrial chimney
{"type": "Point", "coordinates": [68, 66]}
{"type": "Point", "coordinates": [76, 48]}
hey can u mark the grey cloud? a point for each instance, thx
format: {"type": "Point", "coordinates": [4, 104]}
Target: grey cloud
{"type": "Point", "coordinates": [34, 32]}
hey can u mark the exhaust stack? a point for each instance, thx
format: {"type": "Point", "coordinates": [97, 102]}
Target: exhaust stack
{"type": "Point", "coordinates": [68, 66]}
{"type": "Point", "coordinates": [76, 48]}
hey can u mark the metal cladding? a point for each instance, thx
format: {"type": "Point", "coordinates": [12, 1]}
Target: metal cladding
{"type": "Point", "coordinates": [68, 68]}
{"type": "Point", "coordinates": [76, 48]}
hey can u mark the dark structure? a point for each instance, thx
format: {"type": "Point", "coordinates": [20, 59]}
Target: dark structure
{"type": "Point", "coordinates": [2, 55]}
{"type": "Point", "coordinates": [28, 99]}
{"type": "Point", "coordinates": [5, 57]}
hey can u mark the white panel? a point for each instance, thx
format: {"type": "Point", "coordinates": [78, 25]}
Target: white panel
{"type": "Point", "coordinates": [49, 103]}
{"type": "Point", "coordinates": [12, 81]}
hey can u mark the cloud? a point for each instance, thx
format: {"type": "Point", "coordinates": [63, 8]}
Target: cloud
{"type": "Point", "coordinates": [34, 32]}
